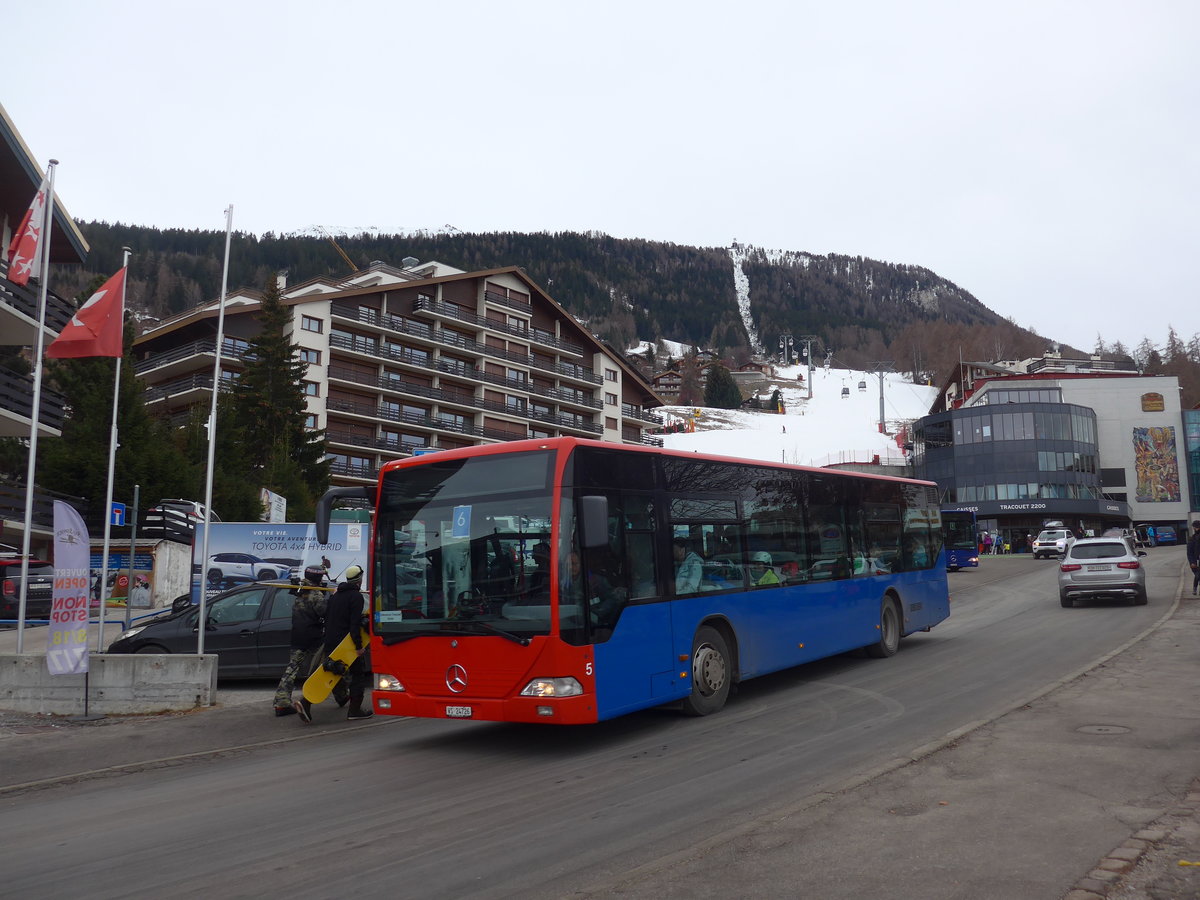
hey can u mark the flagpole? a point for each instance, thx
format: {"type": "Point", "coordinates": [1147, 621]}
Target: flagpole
{"type": "Point", "coordinates": [212, 434]}
{"type": "Point", "coordinates": [112, 460]}
{"type": "Point", "coordinates": [44, 250]}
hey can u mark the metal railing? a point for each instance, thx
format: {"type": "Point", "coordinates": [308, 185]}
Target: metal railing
{"type": "Point", "coordinates": [231, 349]}
{"type": "Point", "coordinates": [16, 396]}
{"type": "Point", "coordinates": [372, 346]}
{"type": "Point", "coordinates": [457, 313]}
{"type": "Point", "coordinates": [25, 301]}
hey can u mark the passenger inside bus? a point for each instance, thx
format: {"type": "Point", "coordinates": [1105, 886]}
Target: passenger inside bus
{"type": "Point", "coordinates": [539, 578]}
{"type": "Point", "coordinates": [582, 587]}
{"type": "Point", "coordinates": [688, 567]}
{"type": "Point", "coordinates": [762, 573]}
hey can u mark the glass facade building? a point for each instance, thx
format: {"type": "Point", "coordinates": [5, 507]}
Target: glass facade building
{"type": "Point", "coordinates": [1017, 461]}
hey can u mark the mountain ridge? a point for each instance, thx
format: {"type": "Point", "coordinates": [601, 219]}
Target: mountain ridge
{"type": "Point", "coordinates": [625, 289]}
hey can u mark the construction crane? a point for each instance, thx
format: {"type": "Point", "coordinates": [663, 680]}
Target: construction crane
{"type": "Point", "coordinates": [342, 253]}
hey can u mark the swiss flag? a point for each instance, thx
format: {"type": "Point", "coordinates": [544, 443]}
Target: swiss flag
{"type": "Point", "coordinates": [96, 329]}
{"type": "Point", "coordinates": [24, 253]}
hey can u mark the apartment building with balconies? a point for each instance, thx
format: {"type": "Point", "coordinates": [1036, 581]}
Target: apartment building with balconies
{"type": "Point", "coordinates": [422, 356]}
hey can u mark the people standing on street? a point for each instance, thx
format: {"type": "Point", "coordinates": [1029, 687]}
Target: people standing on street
{"type": "Point", "coordinates": [1193, 555]}
{"type": "Point", "coordinates": [987, 543]}
{"type": "Point", "coordinates": [344, 616]}
{"type": "Point", "coordinates": [308, 631]}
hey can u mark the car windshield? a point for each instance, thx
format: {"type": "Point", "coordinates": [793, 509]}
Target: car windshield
{"type": "Point", "coordinates": [1103, 550]}
{"type": "Point", "coordinates": [13, 569]}
{"type": "Point", "coordinates": [455, 542]}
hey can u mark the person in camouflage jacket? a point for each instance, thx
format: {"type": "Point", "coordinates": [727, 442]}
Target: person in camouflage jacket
{"type": "Point", "coordinates": [308, 631]}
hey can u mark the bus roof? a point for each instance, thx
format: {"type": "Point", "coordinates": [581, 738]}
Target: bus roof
{"type": "Point", "coordinates": [566, 444]}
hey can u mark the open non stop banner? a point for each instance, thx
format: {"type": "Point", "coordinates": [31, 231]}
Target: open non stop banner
{"type": "Point", "coordinates": [67, 637]}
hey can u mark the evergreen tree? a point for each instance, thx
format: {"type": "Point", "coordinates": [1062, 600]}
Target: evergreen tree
{"type": "Point", "coordinates": [721, 391]}
{"type": "Point", "coordinates": [268, 403]}
{"type": "Point", "coordinates": [690, 393]}
{"type": "Point", "coordinates": [234, 495]}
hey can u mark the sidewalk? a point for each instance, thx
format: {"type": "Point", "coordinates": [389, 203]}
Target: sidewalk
{"type": "Point", "coordinates": [1105, 763]}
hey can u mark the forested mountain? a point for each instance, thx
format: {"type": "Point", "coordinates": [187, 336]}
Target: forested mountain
{"type": "Point", "coordinates": [626, 290]}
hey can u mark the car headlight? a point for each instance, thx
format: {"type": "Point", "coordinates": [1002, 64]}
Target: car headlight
{"type": "Point", "coordinates": [552, 687]}
{"type": "Point", "coordinates": [130, 633]}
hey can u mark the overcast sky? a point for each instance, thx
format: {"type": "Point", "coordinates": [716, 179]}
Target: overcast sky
{"type": "Point", "coordinates": [1042, 155]}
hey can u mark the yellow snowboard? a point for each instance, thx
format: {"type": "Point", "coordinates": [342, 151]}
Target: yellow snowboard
{"type": "Point", "coordinates": [320, 683]}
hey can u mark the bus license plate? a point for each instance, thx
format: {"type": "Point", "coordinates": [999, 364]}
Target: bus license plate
{"type": "Point", "coordinates": [458, 712]}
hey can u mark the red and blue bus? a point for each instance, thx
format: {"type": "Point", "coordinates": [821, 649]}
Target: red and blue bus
{"type": "Point", "coordinates": [961, 539]}
{"type": "Point", "coordinates": [570, 581]}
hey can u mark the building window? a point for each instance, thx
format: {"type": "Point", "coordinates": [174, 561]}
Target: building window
{"type": "Point", "coordinates": [311, 389]}
{"type": "Point", "coordinates": [610, 399]}
{"type": "Point", "coordinates": [310, 421]}
{"type": "Point", "coordinates": [515, 405]}
{"type": "Point", "coordinates": [610, 423]}
{"type": "Point", "coordinates": [610, 374]}
{"type": "Point", "coordinates": [308, 323]}
{"type": "Point", "coordinates": [312, 357]}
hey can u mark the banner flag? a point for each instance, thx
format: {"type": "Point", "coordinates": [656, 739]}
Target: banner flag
{"type": "Point", "coordinates": [67, 637]}
{"type": "Point", "coordinates": [97, 328]}
{"type": "Point", "coordinates": [24, 253]}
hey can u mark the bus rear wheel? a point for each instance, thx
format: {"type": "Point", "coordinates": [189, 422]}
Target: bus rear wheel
{"type": "Point", "coordinates": [889, 631]}
{"type": "Point", "coordinates": [710, 673]}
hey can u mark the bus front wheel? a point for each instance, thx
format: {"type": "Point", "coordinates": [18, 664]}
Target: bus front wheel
{"type": "Point", "coordinates": [710, 673]}
{"type": "Point", "coordinates": [889, 631]}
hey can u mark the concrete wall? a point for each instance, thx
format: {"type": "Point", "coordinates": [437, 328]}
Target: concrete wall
{"type": "Point", "coordinates": [117, 684]}
{"type": "Point", "coordinates": [172, 571]}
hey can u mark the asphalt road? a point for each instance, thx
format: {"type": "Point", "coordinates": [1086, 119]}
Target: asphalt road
{"type": "Point", "coordinates": [450, 809]}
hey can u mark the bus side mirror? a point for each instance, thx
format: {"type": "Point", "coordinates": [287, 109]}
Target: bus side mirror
{"type": "Point", "coordinates": [593, 521]}
{"type": "Point", "coordinates": [325, 505]}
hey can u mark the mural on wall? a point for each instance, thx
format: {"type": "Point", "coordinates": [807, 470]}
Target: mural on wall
{"type": "Point", "coordinates": [1157, 464]}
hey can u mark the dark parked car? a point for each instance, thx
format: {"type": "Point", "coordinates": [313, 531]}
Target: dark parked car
{"type": "Point", "coordinates": [39, 595]}
{"type": "Point", "coordinates": [249, 628]}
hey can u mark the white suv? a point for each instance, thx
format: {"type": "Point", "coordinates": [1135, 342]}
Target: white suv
{"type": "Point", "coordinates": [244, 567]}
{"type": "Point", "coordinates": [1052, 542]}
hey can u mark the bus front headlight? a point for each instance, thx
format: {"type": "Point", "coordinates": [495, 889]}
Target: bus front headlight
{"type": "Point", "coordinates": [552, 687]}
{"type": "Point", "coordinates": [387, 682]}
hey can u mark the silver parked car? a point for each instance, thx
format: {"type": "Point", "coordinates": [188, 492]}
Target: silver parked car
{"type": "Point", "coordinates": [1102, 567]}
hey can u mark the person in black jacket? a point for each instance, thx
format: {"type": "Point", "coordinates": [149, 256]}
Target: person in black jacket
{"type": "Point", "coordinates": [343, 616]}
{"type": "Point", "coordinates": [1193, 555]}
{"type": "Point", "coordinates": [308, 631]}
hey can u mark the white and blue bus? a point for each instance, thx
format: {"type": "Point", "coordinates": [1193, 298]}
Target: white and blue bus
{"type": "Point", "coordinates": [570, 581]}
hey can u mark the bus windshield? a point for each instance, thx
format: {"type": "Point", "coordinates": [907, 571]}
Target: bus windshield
{"type": "Point", "coordinates": [958, 526]}
{"type": "Point", "coordinates": [463, 546]}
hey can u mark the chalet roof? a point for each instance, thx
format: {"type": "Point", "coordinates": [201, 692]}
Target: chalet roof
{"type": "Point", "coordinates": [20, 177]}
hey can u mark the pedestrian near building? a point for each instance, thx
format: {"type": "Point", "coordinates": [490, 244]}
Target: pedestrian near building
{"type": "Point", "coordinates": [344, 616]}
{"type": "Point", "coordinates": [987, 543]}
{"type": "Point", "coordinates": [308, 631]}
{"type": "Point", "coordinates": [1193, 555]}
